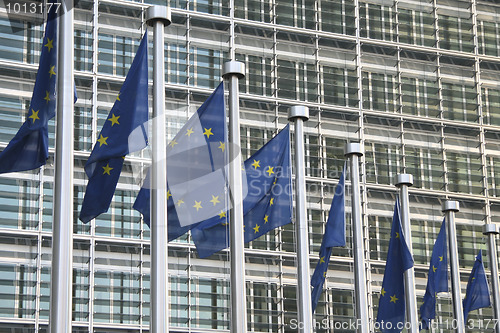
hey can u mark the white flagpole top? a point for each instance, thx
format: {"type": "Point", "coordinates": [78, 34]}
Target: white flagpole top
{"type": "Point", "coordinates": [403, 179]}
{"type": "Point", "coordinates": [298, 111]}
{"type": "Point", "coordinates": [490, 228]}
{"type": "Point", "coordinates": [450, 205]}
{"type": "Point", "coordinates": [158, 13]}
{"type": "Point", "coordinates": [353, 148]}
{"type": "Point", "coordinates": [233, 68]}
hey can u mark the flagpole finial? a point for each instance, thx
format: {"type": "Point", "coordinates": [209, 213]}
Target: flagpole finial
{"type": "Point", "coordinates": [233, 68]}
{"type": "Point", "coordinates": [403, 179]}
{"type": "Point", "coordinates": [490, 228]}
{"type": "Point", "coordinates": [450, 206]}
{"type": "Point", "coordinates": [298, 111]}
{"type": "Point", "coordinates": [353, 148]}
{"type": "Point", "coordinates": [158, 13]}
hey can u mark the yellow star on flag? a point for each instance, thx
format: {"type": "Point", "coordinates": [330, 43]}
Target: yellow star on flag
{"type": "Point", "coordinates": [34, 115]}
{"type": "Point", "coordinates": [49, 43]}
{"type": "Point", "coordinates": [256, 164]}
{"type": "Point", "coordinates": [208, 132]}
{"type": "Point", "coordinates": [434, 269]}
{"type": "Point", "coordinates": [322, 260]}
{"type": "Point", "coordinates": [114, 120]}
{"type": "Point", "coordinates": [118, 97]}
{"type": "Point", "coordinates": [324, 274]}
{"type": "Point", "coordinates": [107, 169]}
{"type": "Point", "coordinates": [47, 96]}
{"type": "Point", "coordinates": [222, 145]}
{"type": "Point", "coordinates": [222, 214]}
{"type": "Point", "coordinates": [173, 143]}
{"type": "Point", "coordinates": [270, 171]}
{"type": "Point", "coordinates": [215, 200]}
{"type": "Point", "coordinates": [102, 140]}
{"type": "Point", "coordinates": [382, 292]}
{"type": "Point", "coordinates": [266, 219]}
{"type": "Point", "coordinates": [397, 234]}
{"type": "Point", "coordinates": [271, 202]}
{"type": "Point", "coordinates": [168, 194]}
{"type": "Point", "coordinates": [180, 202]}
{"type": "Point", "coordinates": [51, 71]}
{"type": "Point", "coordinates": [256, 228]}
{"type": "Point", "coordinates": [197, 205]}
{"type": "Point", "coordinates": [189, 132]}
{"type": "Point", "coordinates": [394, 299]}
{"type": "Point", "coordinates": [441, 258]}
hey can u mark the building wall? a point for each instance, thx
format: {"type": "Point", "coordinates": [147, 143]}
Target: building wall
{"type": "Point", "coordinates": [415, 81]}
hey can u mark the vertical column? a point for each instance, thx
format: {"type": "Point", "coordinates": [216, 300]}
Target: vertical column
{"type": "Point", "coordinates": [62, 228]}
{"type": "Point", "coordinates": [449, 208]}
{"type": "Point", "coordinates": [403, 181]}
{"type": "Point", "coordinates": [491, 231]}
{"type": "Point", "coordinates": [299, 114]}
{"type": "Point", "coordinates": [353, 151]}
{"type": "Point", "coordinates": [158, 17]}
{"type": "Point", "coordinates": [233, 71]}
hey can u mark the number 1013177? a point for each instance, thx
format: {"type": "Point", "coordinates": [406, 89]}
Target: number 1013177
{"type": "Point", "coordinates": [28, 7]}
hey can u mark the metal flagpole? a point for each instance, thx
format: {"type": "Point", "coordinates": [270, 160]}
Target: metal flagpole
{"type": "Point", "coordinates": [299, 114]}
{"type": "Point", "coordinates": [403, 181]}
{"type": "Point", "coordinates": [449, 208]}
{"type": "Point", "coordinates": [158, 17]}
{"type": "Point", "coordinates": [233, 71]}
{"type": "Point", "coordinates": [353, 151]}
{"type": "Point", "coordinates": [491, 230]}
{"type": "Point", "coordinates": [62, 228]}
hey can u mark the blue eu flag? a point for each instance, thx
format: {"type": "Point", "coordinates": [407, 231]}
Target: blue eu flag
{"type": "Point", "coordinates": [478, 293]}
{"type": "Point", "coordinates": [268, 204]}
{"type": "Point", "coordinates": [195, 169]}
{"type": "Point", "coordinates": [29, 148]}
{"type": "Point", "coordinates": [391, 306]}
{"type": "Point", "coordinates": [438, 278]}
{"type": "Point", "coordinates": [123, 132]}
{"type": "Point", "coordinates": [334, 236]}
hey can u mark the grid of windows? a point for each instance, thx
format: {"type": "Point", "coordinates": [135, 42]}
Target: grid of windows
{"type": "Point", "coordinates": [416, 82]}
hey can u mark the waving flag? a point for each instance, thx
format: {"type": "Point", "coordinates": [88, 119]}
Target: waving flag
{"type": "Point", "coordinates": [391, 306]}
{"type": "Point", "coordinates": [122, 133]}
{"type": "Point", "coordinates": [267, 205]}
{"type": "Point", "coordinates": [29, 149]}
{"type": "Point", "coordinates": [196, 160]}
{"type": "Point", "coordinates": [478, 293]}
{"type": "Point", "coordinates": [438, 278]}
{"type": "Point", "coordinates": [334, 236]}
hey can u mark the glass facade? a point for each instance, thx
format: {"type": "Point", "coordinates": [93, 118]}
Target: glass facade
{"type": "Point", "coordinates": [415, 81]}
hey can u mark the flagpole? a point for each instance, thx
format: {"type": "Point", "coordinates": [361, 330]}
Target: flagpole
{"type": "Point", "coordinates": [491, 231]}
{"type": "Point", "coordinates": [158, 17]}
{"type": "Point", "coordinates": [62, 228]}
{"type": "Point", "coordinates": [233, 71]}
{"type": "Point", "coordinates": [449, 208]}
{"type": "Point", "coordinates": [353, 151]}
{"type": "Point", "coordinates": [403, 181]}
{"type": "Point", "coordinates": [299, 114]}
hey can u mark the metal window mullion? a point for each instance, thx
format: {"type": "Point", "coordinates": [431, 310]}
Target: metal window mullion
{"type": "Point", "coordinates": [436, 23]}
{"type": "Point", "coordinates": [188, 51]}
{"type": "Point", "coordinates": [269, 306]}
{"type": "Point", "coordinates": [364, 207]}
{"type": "Point", "coordinates": [279, 295]}
{"type": "Point", "coordinates": [251, 300]}
{"type": "Point", "coordinates": [480, 111]}
{"type": "Point", "coordinates": [190, 291]}
{"type": "Point", "coordinates": [39, 250]}
{"type": "Point", "coordinates": [274, 61]}
{"type": "Point", "coordinates": [429, 167]}
{"type": "Point", "coordinates": [493, 182]}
